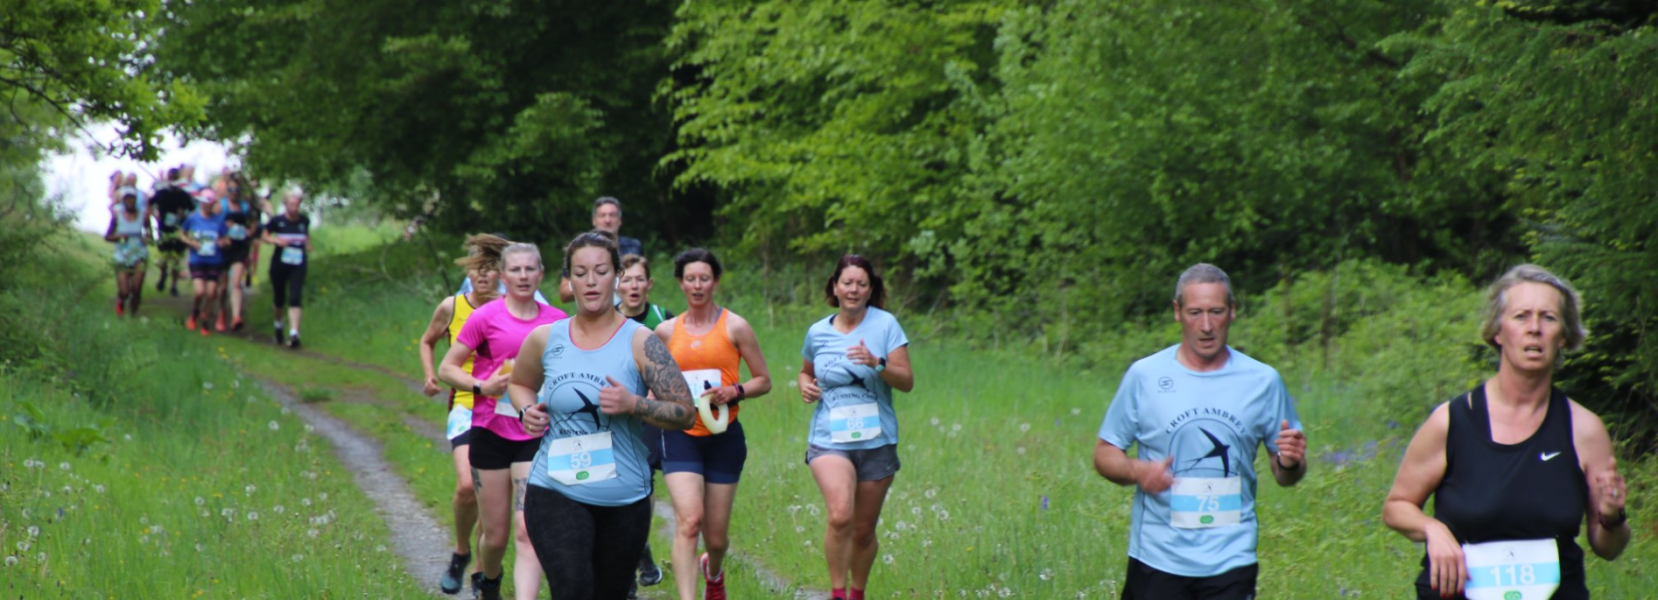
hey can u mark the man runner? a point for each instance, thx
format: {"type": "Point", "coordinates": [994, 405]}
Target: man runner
{"type": "Point", "coordinates": [1198, 410]}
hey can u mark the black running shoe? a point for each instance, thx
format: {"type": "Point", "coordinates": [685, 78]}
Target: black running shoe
{"type": "Point", "coordinates": [280, 339]}
{"type": "Point", "coordinates": [450, 583]}
{"type": "Point", "coordinates": [293, 342]}
{"type": "Point", "coordinates": [487, 589]}
{"type": "Point", "coordinates": [633, 590]}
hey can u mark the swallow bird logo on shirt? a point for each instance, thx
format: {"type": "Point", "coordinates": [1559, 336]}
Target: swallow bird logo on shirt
{"type": "Point", "coordinates": [1219, 449]}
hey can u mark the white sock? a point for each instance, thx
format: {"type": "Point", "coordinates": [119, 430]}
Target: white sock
{"type": "Point", "coordinates": [279, 323]}
{"type": "Point", "coordinates": [293, 333]}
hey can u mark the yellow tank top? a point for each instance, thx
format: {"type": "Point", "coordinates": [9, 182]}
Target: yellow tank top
{"type": "Point", "coordinates": [700, 356]}
{"type": "Point", "coordinates": [457, 320]}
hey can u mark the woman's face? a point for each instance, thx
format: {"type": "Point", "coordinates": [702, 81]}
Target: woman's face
{"type": "Point", "coordinates": [635, 287]}
{"type": "Point", "coordinates": [698, 283]}
{"type": "Point", "coordinates": [852, 288]}
{"type": "Point", "coordinates": [485, 281]}
{"type": "Point", "coordinates": [1532, 331]}
{"type": "Point", "coordinates": [593, 279]}
{"type": "Point", "coordinates": [130, 203]}
{"type": "Point", "coordinates": [523, 276]}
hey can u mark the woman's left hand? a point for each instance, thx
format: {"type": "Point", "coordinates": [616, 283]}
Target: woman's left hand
{"type": "Point", "coordinates": [1607, 489]}
{"type": "Point", "coordinates": [722, 395]}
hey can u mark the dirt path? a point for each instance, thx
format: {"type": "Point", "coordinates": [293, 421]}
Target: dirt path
{"type": "Point", "coordinates": [416, 537]}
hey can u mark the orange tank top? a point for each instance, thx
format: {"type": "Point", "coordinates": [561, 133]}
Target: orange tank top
{"type": "Point", "coordinates": [708, 360]}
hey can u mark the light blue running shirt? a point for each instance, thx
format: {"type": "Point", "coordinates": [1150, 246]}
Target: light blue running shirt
{"type": "Point", "coordinates": [597, 469]}
{"type": "Point", "coordinates": [856, 410]}
{"type": "Point", "coordinates": [1212, 423]}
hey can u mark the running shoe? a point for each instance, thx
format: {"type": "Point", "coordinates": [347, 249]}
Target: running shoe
{"type": "Point", "coordinates": [650, 574]}
{"type": "Point", "coordinates": [450, 583]}
{"type": "Point", "coordinates": [203, 331]}
{"type": "Point", "coordinates": [190, 323]}
{"type": "Point", "coordinates": [120, 309]}
{"type": "Point", "coordinates": [633, 590]}
{"type": "Point", "coordinates": [280, 340]}
{"type": "Point", "coordinates": [486, 588]}
{"type": "Point", "coordinates": [161, 284]}
{"type": "Point", "coordinates": [713, 587]}
{"type": "Point", "coordinates": [293, 342]}
{"type": "Point", "coordinates": [237, 326]}
{"type": "Point", "coordinates": [175, 291]}
{"type": "Point", "coordinates": [220, 325]}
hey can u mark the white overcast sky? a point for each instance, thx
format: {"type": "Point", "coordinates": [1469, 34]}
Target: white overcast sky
{"type": "Point", "coordinates": [81, 176]}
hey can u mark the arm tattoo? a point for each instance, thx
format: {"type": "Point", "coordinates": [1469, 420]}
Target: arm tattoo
{"type": "Point", "coordinates": [672, 407]}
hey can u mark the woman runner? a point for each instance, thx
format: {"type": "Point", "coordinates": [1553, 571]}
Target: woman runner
{"type": "Point", "coordinates": [129, 228]}
{"type": "Point", "coordinates": [588, 506]}
{"type": "Point", "coordinates": [702, 465]}
{"type": "Point", "coordinates": [501, 450]}
{"type": "Point", "coordinates": [290, 235]}
{"type": "Point", "coordinates": [204, 233]}
{"type": "Point", "coordinates": [853, 361]}
{"type": "Point", "coordinates": [483, 267]}
{"type": "Point", "coordinates": [1514, 466]}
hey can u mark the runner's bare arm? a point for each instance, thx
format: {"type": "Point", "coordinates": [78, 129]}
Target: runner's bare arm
{"type": "Point", "coordinates": [435, 331]}
{"type": "Point", "coordinates": [748, 345]}
{"type": "Point", "coordinates": [527, 374]}
{"type": "Point", "coordinates": [1114, 464]}
{"type": "Point", "coordinates": [899, 373]}
{"type": "Point", "coordinates": [670, 408]}
{"type": "Point", "coordinates": [1607, 490]}
{"type": "Point", "coordinates": [450, 371]}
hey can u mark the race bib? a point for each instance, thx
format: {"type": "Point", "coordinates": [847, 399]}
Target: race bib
{"type": "Point", "coordinates": [503, 407]}
{"type": "Point", "coordinates": [855, 423]}
{"type": "Point", "coordinates": [238, 232]}
{"type": "Point", "coordinates": [293, 256]}
{"type": "Point", "coordinates": [1204, 502]}
{"type": "Point", "coordinates": [460, 422]}
{"type": "Point", "coordinates": [209, 244]}
{"type": "Point", "coordinates": [582, 459]}
{"type": "Point", "coordinates": [1512, 570]}
{"type": "Point", "coordinates": [702, 380]}
{"type": "Point", "coordinates": [171, 219]}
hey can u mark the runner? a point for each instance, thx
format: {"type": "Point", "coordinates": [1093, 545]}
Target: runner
{"type": "Point", "coordinates": [204, 232]}
{"type": "Point", "coordinates": [242, 217]}
{"type": "Point", "coordinates": [854, 359]}
{"type": "Point", "coordinates": [1529, 464]}
{"type": "Point", "coordinates": [1198, 410]}
{"type": "Point", "coordinates": [702, 465]}
{"type": "Point", "coordinates": [290, 234]}
{"type": "Point", "coordinates": [171, 206]}
{"type": "Point", "coordinates": [501, 452]}
{"type": "Point", "coordinates": [483, 267]}
{"type": "Point", "coordinates": [588, 507]}
{"type": "Point", "coordinates": [607, 216]}
{"type": "Point", "coordinates": [129, 229]}
{"type": "Point", "coordinates": [635, 288]}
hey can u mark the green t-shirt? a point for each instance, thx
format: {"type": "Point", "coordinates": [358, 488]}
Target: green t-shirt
{"type": "Point", "coordinates": [654, 315]}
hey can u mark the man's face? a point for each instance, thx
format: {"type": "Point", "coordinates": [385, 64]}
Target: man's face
{"type": "Point", "coordinates": [1204, 318]}
{"type": "Point", "coordinates": [608, 217]}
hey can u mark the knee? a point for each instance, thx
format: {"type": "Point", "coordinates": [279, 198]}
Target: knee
{"type": "Point", "coordinates": [690, 525]}
{"type": "Point", "coordinates": [864, 535]}
{"type": "Point", "coordinates": [840, 519]}
{"type": "Point", "coordinates": [716, 543]}
{"type": "Point", "coordinates": [520, 533]}
{"type": "Point", "coordinates": [464, 494]}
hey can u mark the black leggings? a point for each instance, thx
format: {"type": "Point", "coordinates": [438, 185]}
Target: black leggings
{"type": "Point", "coordinates": [288, 283]}
{"type": "Point", "coordinates": [588, 552]}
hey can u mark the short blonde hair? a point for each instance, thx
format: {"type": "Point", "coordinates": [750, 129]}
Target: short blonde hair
{"type": "Point", "coordinates": [521, 248]}
{"type": "Point", "coordinates": [1496, 302]}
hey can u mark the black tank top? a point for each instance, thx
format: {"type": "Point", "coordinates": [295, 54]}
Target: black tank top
{"type": "Point", "coordinates": [1530, 490]}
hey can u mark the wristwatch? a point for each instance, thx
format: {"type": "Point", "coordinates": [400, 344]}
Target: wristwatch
{"type": "Point", "coordinates": [477, 391]}
{"type": "Point", "coordinates": [881, 366]}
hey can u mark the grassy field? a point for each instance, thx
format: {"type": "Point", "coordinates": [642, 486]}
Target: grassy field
{"type": "Point", "coordinates": [997, 497]}
{"type": "Point", "coordinates": [180, 480]}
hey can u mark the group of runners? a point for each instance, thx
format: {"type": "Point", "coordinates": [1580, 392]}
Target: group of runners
{"type": "Point", "coordinates": [558, 421]}
{"type": "Point", "coordinates": [559, 448]}
{"type": "Point", "coordinates": [1514, 466]}
{"type": "Point", "coordinates": [220, 227]}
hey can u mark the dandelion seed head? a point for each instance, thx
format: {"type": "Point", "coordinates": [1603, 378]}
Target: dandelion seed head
{"type": "Point", "coordinates": [250, 489]}
{"type": "Point", "coordinates": [887, 559]}
{"type": "Point", "coordinates": [322, 497]}
{"type": "Point", "coordinates": [955, 427]}
{"type": "Point", "coordinates": [1024, 427]}
{"type": "Point", "coordinates": [253, 515]}
{"type": "Point", "coordinates": [274, 426]}
{"type": "Point", "coordinates": [1045, 575]}
{"type": "Point", "coordinates": [933, 421]}
{"type": "Point", "coordinates": [11, 561]}
{"type": "Point", "coordinates": [207, 385]}
{"type": "Point", "coordinates": [279, 509]}
{"type": "Point", "coordinates": [312, 533]}
{"type": "Point", "coordinates": [299, 558]}
{"type": "Point", "coordinates": [200, 548]}
{"type": "Point", "coordinates": [201, 501]}
{"type": "Point", "coordinates": [34, 531]}
{"type": "Point", "coordinates": [98, 488]}
{"type": "Point", "coordinates": [63, 466]}
{"type": "Point", "coordinates": [23, 546]}
{"type": "Point", "coordinates": [1076, 412]}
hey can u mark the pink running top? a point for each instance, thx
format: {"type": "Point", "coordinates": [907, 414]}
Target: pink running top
{"type": "Point", "coordinates": [495, 335]}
